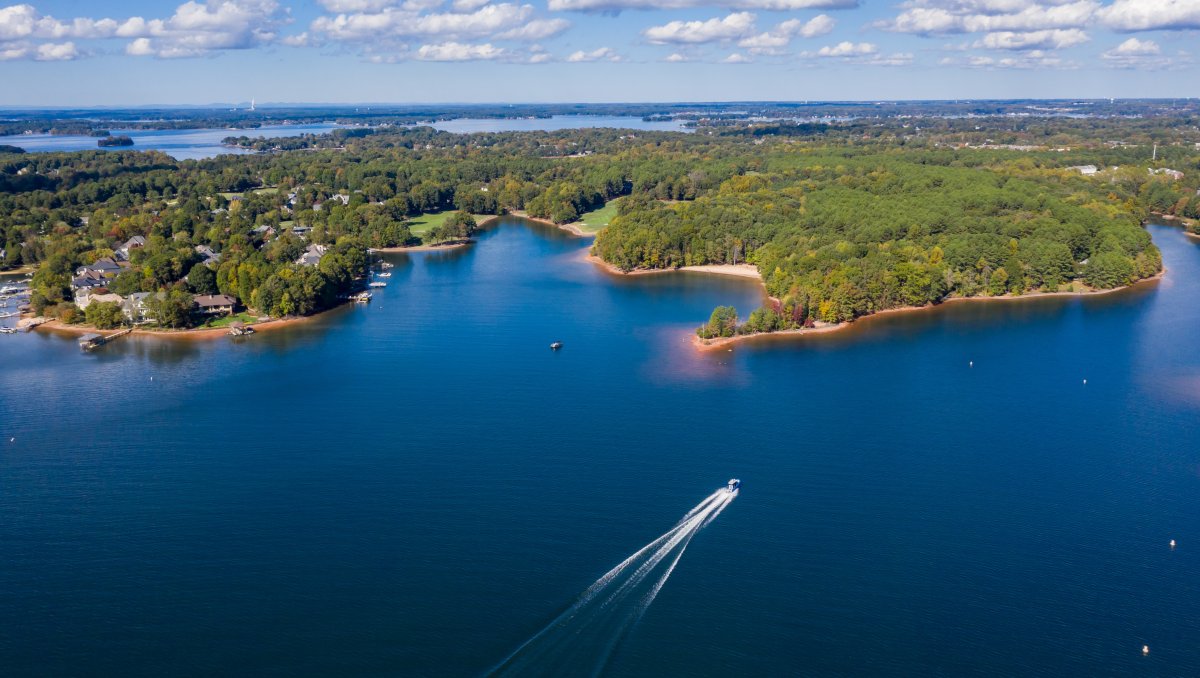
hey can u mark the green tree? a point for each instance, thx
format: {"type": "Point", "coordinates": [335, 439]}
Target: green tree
{"type": "Point", "coordinates": [104, 315]}
{"type": "Point", "coordinates": [202, 279]}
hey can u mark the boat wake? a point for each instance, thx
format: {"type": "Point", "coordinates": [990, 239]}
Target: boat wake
{"type": "Point", "coordinates": [582, 639]}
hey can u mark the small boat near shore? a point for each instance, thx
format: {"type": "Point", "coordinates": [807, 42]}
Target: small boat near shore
{"type": "Point", "coordinates": [8, 330]}
{"type": "Point", "coordinates": [385, 274]}
{"type": "Point", "coordinates": [361, 297]}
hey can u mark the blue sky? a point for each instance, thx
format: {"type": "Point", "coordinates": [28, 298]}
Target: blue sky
{"type": "Point", "coordinates": [70, 53]}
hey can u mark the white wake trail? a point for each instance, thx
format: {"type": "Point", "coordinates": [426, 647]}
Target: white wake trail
{"type": "Point", "coordinates": [581, 639]}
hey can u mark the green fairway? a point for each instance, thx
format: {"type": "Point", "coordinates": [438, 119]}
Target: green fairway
{"type": "Point", "coordinates": [423, 224]}
{"type": "Point", "coordinates": [595, 220]}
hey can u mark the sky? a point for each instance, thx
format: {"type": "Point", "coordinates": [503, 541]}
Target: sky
{"type": "Point", "coordinates": [96, 53]}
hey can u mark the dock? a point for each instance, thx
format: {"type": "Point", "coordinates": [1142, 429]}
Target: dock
{"type": "Point", "coordinates": [91, 342]}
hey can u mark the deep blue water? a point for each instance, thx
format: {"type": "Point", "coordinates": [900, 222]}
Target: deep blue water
{"type": "Point", "coordinates": [416, 486]}
{"type": "Point", "coordinates": [181, 144]}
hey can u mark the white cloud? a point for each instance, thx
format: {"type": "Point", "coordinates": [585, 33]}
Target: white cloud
{"type": "Point", "coordinates": [455, 51]}
{"type": "Point", "coordinates": [392, 23]}
{"type": "Point", "coordinates": [468, 5]}
{"type": "Point", "coordinates": [195, 29]}
{"type": "Point", "coordinates": [935, 17]}
{"type": "Point", "coordinates": [1049, 39]}
{"type": "Point", "coordinates": [1150, 15]}
{"type": "Point", "coordinates": [776, 39]}
{"type": "Point", "coordinates": [538, 29]}
{"type": "Point", "coordinates": [1034, 59]}
{"type": "Point", "coordinates": [731, 27]}
{"type": "Point", "coordinates": [356, 5]}
{"type": "Point", "coordinates": [767, 5]}
{"type": "Point", "coordinates": [601, 54]}
{"type": "Point", "coordinates": [56, 52]}
{"type": "Point", "coordinates": [1135, 47]}
{"type": "Point", "coordinates": [736, 58]}
{"type": "Point", "coordinates": [847, 49]}
{"type": "Point", "coordinates": [1144, 55]}
{"type": "Point", "coordinates": [676, 58]}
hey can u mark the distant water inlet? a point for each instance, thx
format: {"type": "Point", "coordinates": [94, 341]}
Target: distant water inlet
{"type": "Point", "coordinates": [581, 640]}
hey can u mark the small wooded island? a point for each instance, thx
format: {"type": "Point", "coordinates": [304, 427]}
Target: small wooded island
{"type": "Point", "coordinates": [114, 140]}
{"type": "Point", "coordinates": [842, 219]}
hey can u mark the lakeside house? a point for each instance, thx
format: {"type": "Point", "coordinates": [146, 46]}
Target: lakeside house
{"type": "Point", "coordinates": [215, 304]}
{"type": "Point", "coordinates": [312, 255]}
{"type": "Point", "coordinates": [135, 307]}
{"type": "Point", "coordinates": [85, 298]}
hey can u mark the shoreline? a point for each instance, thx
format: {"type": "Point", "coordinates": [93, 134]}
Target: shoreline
{"type": "Point", "coordinates": [749, 271]}
{"type": "Point", "coordinates": [710, 344]}
{"type": "Point", "coordinates": [571, 228]}
{"type": "Point", "coordinates": [425, 248]}
{"type": "Point", "coordinates": [59, 327]}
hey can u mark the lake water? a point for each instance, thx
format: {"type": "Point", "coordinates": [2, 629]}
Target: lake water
{"type": "Point", "coordinates": [416, 486]}
{"type": "Point", "coordinates": [181, 144]}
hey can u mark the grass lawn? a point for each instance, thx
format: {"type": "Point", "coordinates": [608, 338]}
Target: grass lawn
{"type": "Point", "coordinates": [227, 320]}
{"type": "Point", "coordinates": [426, 222]}
{"type": "Point", "coordinates": [597, 219]}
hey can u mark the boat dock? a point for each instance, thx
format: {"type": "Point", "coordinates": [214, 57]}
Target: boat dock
{"type": "Point", "coordinates": [91, 342]}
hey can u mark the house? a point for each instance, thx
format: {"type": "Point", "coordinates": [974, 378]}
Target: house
{"type": "Point", "coordinates": [210, 257]}
{"type": "Point", "coordinates": [1085, 170]}
{"type": "Point", "coordinates": [135, 306]}
{"type": "Point", "coordinates": [134, 243]}
{"type": "Point", "coordinates": [85, 298]}
{"type": "Point", "coordinates": [88, 280]}
{"type": "Point", "coordinates": [312, 255]}
{"type": "Point", "coordinates": [106, 267]}
{"type": "Point", "coordinates": [213, 304]}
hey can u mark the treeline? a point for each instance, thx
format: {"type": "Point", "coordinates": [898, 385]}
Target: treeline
{"type": "Point", "coordinates": [838, 237]}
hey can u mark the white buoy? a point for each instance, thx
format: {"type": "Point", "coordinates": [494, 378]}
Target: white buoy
{"type": "Point", "coordinates": [972, 363]}
{"type": "Point", "coordinates": [1085, 382]}
{"type": "Point", "coordinates": [1172, 543]}
{"type": "Point", "coordinates": [1145, 650]}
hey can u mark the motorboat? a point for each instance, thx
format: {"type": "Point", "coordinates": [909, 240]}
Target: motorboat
{"type": "Point", "coordinates": [733, 485]}
{"type": "Point", "coordinates": [556, 345]}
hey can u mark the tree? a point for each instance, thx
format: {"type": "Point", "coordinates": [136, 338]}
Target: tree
{"type": "Point", "coordinates": [722, 323]}
{"type": "Point", "coordinates": [171, 308]}
{"type": "Point", "coordinates": [202, 279]}
{"type": "Point", "coordinates": [104, 315]}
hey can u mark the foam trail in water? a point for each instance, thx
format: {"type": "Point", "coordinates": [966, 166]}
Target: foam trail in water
{"type": "Point", "coordinates": [581, 639]}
